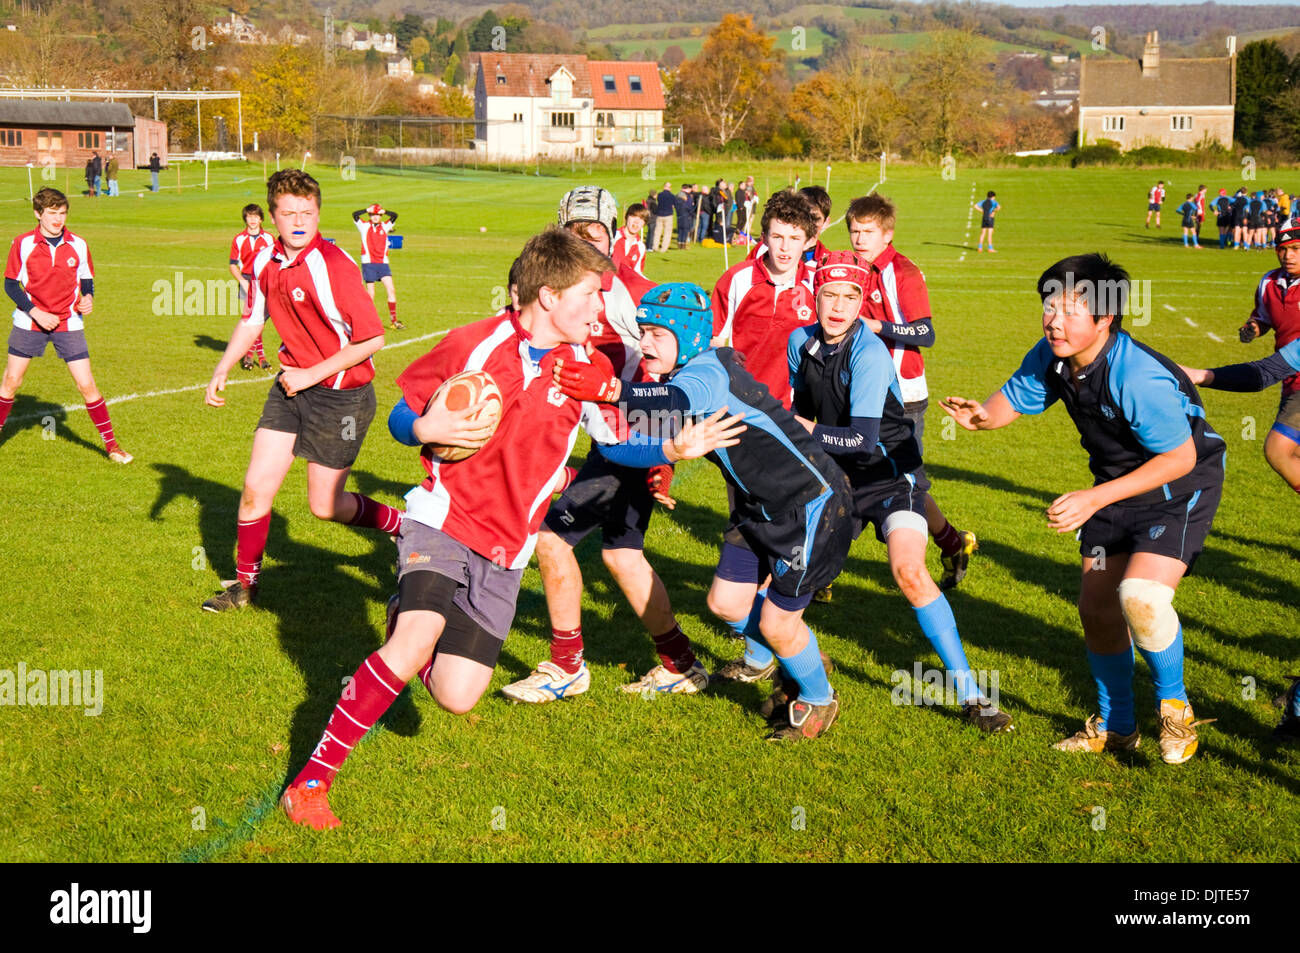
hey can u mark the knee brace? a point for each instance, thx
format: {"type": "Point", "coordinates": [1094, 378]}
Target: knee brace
{"type": "Point", "coordinates": [1149, 611]}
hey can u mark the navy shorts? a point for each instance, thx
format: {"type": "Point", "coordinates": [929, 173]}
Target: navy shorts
{"type": "Point", "coordinates": [330, 424]}
{"type": "Point", "coordinates": [1176, 528]}
{"type": "Point", "coordinates": [803, 550]}
{"type": "Point", "coordinates": [604, 495]}
{"type": "Point", "coordinates": [1153, 206]}
{"type": "Point", "coordinates": [1288, 416]}
{"type": "Point", "coordinates": [69, 345]}
{"type": "Point", "coordinates": [371, 272]}
{"type": "Point", "coordinates": [438, 573]}
{"type": "Point", "coordinates": [986, 223]}
{"type": "Point", "coordinates": [875, 503]}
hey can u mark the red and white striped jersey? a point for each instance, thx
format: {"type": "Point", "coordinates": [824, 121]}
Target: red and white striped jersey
{"type": "Point", "coordinates": [51, 275]}
{"type": "Point", "coordinates": [374, 241]}
{"type": "Point", "coordinates": [494, 501]}
{"type": "Point", "coordinates": [318, 305]}
{"type": "Point", "coordinates": [628, 249]}
{"type": "Point", "coordinates": [896, 292]}
{"type": "Point", "coordinates": [245, 248]}
{"type": "Point", "coordinates": [756, 315]}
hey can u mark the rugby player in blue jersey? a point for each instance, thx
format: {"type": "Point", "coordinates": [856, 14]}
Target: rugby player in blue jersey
{"type": "Point", "coordinates": [1158, 469]}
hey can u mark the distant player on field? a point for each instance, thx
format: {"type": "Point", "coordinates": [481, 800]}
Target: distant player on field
{"type": "Point", "coordinates": [988, 209]}
{"type": "Point", "coordinates": [321, 403]}
{"type": "Point", "coordinates": [1159, 475]}
{"type": "Point", "coordinates": [896, 307]}
{"type": "Point", "coordinates": [51, 280]}
{"type": "Point", "coordinates": [1277, 307]}
{"type": "Point", "coordinates": [1188, 211]}
{"type": "Point", "coordinates": [378, 222]}
{"type": "Point", "coordinates": [471, 525]}
{"type": "Point", "coordinates": [846, 394]}
{"type": "Point", "coordinates": [244, 249]}
{"type": "Point", "coordinates": [1155, 198]}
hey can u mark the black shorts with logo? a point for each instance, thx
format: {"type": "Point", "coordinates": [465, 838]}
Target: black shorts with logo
{"type": "Point", "coordinates": [330, 424]}
{"type": "Point", "coordinates": [604, 495]}
{"type": "Point", "coordinates": [1176, 528]}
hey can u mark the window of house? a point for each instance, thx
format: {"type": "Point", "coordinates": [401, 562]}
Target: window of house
{"type": "Point", "coordinates": [1180, 123]}
{"type": "Point", "coordinates": [519, 117]}
{"type": "Point", "coordinates": [501, 80]}
{"type": "Point", "coordinates": [11, 137]}
{"type": "Point", "coordinates": [634, 82]}
{"type": "Point", "coordinates": [610, 86]}
{"type": "Point", "coordinates": [562, 120]}
{"type": "Point", "coordinates": [1112, 123]}
{"type": "Point", "coordinates": [561, 90]}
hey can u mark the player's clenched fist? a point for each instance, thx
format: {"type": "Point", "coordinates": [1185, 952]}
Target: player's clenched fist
{"type": "Point", "coordinates": [595, 381]}
{"type": "Point", "coordinates": [1248, 331]}
{"type": "Point", "coordinates": [1071, 510]}
{"type": "Point", "coordinates": [969, 413]}
{"type": "Point", "coordinates": [212, 397]}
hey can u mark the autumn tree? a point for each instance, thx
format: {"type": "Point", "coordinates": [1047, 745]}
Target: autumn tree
{"type": "Point", "coordinates": [945, 99]}
{"type": "Point", "coordinates": [851, 107]}
{"type": "Point", "coordinates": [734, 78]}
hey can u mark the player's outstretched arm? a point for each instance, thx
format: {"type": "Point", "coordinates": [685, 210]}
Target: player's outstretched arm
{"type": "Point", "coordinates": [240, 341]}
{"type": "Point", "coordinates": [995, 412]}
{"type": "Point", "coordinates": [594, 381]}
{"type": "Point", "coordinates": [1071, 510]}
{"type": "Point", "coordinates": [697, 438]}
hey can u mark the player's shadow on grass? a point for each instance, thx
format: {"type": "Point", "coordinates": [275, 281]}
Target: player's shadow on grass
{"type": "Point", "coordinates": [1291, 552]}
{"type": "Point", "coordinates": [36, 413]}
{"type": "Point", "coordinates": [209, 342]}
{"type": "Point", "coordinates": [940, 474]}
{"type": "Point", "coordinates": [318, 596]}
{"type": "Point", "coordinates": [960, 245]}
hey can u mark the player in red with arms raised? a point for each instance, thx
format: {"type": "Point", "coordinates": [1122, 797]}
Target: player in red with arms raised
{"type": "Point", "coordinates": [758, 302]}
{"type": "Point", "coordinates": [244, 249]}
{"type": "Point", "coordinates": [51, 280]}
{"type": "Point", "coordinates": [322, 401]}
{"type": "Point", "coordinates": [374, 254]}
{"type": "Point", "coordinates": [471, 526]}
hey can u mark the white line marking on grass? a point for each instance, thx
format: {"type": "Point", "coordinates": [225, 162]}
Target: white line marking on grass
{"type": "Point", "coordinates": [1214, 337]}
{"type": "Point", "coordinates": [1190, 322]}
{"type": "Point", "coordinates": [1169, 307]}
{"type": "Point", "coordinates": [167, 392]}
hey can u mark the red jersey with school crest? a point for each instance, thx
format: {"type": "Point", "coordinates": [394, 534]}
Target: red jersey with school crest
{"type": "Point", "coordinates": [628, 250]}
{"type": "Point", "coordinates": [318, 304]}
{"type": "Point", "coordinates": [493, 501]}
{"type": "Point", "coordinates": [896, 292]}
{"type": "Point", "coordinates": [374, 241]}
{"type": "Point", "coordinates": [51, 275]}
{"type": "Point", "coordinates": [245, 248]}
{"type": "Point", "coordinates": [757, 316]}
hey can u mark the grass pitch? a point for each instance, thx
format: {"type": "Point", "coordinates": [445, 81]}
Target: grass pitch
{"type": "Point", "coordinates": [204, 716]}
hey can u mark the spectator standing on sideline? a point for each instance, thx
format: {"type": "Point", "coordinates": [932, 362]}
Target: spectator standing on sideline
{"type": "Point", "coordinates": [90, 177]}
{"type": "Point", "coordinates": [111, 174]}
{"type": "Point", "coordinates": [155, 166]}
{"type": "Point", "coordinates": [98, 165]}
{"type": "Point", "coordinates": [663, 232]}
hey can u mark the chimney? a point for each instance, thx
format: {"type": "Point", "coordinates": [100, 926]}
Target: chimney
{"type": "Point", "coordinates": [1151, 56]}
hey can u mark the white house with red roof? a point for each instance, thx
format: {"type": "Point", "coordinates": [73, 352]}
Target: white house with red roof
{"type": "Point", "coordinates": [563, 105]}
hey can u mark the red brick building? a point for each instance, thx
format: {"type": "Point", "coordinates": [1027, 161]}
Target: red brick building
{"type": "Point", "coordinates": [69, 132]}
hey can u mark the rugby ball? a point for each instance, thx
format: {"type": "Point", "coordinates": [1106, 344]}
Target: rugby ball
{"type": "Point", "coordinates": [465, 390]}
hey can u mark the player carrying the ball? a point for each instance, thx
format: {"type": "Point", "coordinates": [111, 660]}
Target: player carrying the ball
{"type": "Point", "coordinates": [792, 505]}
{"type": "Point", "coordinates": [847, 395]}
{"type": "Point", "coordinates": [619, 500]}
{"type": "Point", "coordinates": [321, 403]}
{"type": "Point", "coordinates": [1159, 475]}
{"type": "Point", "coordinates": [471, 526]}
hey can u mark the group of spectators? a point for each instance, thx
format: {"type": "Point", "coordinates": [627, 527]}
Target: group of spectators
{"type": "Point", "coordinates": [722, 214]}
{"type": "Point", "coordinates": [101, 175]}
